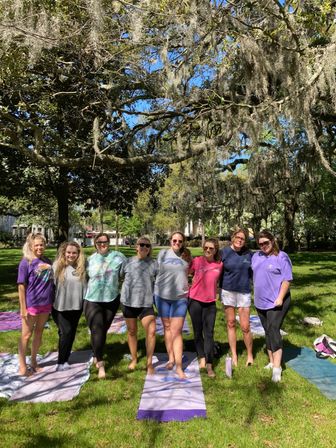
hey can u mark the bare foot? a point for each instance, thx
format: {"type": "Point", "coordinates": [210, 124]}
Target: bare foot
{"type": "Point", "coordinates": [132, 364]}
{"type": "Point", "coordinates": [101, 370]}
{"type": "Point", "coordinates": [249, 362]}
{"type": "Point", "coordinates": [170, 365]}
{"type": "Point", "coordinates": [235, 361]}
{"type": "Point", "coordinates": [211, 373]}
{"type": "Point", "coordinates": [36, 368]}
{"type": "Point", "coordinates": [181, 374]}
{"type": "Point", "coordinates": [25, 372]}
{"type": "Point", "coordinates": [202, 364]}
{"type": "Point", "coordinates": [150, 369]}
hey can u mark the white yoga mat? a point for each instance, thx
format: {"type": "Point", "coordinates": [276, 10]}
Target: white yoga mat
{"type": "Point", "coordinates": [48, 385]}
{"type": "Point", "coordinates": [166, 398]}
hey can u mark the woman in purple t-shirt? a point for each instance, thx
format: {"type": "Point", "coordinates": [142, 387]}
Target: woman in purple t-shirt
{"type": "Point", "coordinates": [36, 293]}
{"type": "Point", "coordinates": [272, 274]}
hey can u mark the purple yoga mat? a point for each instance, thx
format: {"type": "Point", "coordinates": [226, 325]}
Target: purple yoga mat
{"type": "Point", "coordinates": [167, 398]}
{"type": "Point", "coordinates": [10, 320]}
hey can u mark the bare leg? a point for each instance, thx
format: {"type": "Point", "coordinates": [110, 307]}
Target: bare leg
{"type": "Point", "coordinates": [132, 328]}
{"type": "Point", "coordinates": [230, 315]}
{"type": "Point", "coordinates": [168, 341]}
{"type": "Point", "coordinates": [277, 356]}
{"type": "Point", "coordinates": [270, 355]}
{"type": "Point", "coordinates": [26, 332]}
{"type": "Point", "coordinates": [176, 325]}
{"type": "Point", "coordinates": [244, 319]}
{"type": "Point", "coordinates": [148, 322]}
{"type": "Point", "coordinates": [41, 319]}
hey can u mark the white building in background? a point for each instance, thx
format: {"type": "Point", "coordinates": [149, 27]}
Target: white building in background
{"type": "Point", "coordinates": [6, 223]}
{"type": "Point", "coordinates": [88, 238]}
{"type": "Point", "coordinates": [19, 232]}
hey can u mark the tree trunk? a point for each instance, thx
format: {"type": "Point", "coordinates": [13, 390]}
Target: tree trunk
{"type": "Point", "coordinates": [117, 232]}
{"type": "Point", "coordinates": [290, 208]}
{"type": "Point", "coordinates": [62, 195]}
{"type": "Point", "coordinates": [101, 218]}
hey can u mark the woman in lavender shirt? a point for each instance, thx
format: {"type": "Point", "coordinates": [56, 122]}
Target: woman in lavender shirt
{"type": "Point", "coordinates": [272, 274]}
{"type": "Point", "coordinates": [36, 295]}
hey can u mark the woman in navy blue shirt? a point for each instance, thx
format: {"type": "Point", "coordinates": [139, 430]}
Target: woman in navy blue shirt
{"type": "Point", "coordinates": [236, 291]}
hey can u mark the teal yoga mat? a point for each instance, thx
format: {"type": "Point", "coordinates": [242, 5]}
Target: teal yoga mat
{"type": "Point", "coordinates": [320, 372]}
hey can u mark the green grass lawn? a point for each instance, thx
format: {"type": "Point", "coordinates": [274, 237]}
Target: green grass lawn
{"type": "Point", "coordinates": [247, 411]}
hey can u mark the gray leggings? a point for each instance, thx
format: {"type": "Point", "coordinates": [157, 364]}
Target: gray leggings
{"type": "Point", "coordinates": [272, 320]}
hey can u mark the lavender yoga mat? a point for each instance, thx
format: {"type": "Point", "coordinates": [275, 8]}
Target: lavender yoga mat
{"type": "Point", "coordinates": [167, 398]}
{"type": "Point", "coordinates": [10, 320]}
{"type": "Point", "coordinates": [256, 327]}
{"type": "Point", "coordinates": [48, 385]}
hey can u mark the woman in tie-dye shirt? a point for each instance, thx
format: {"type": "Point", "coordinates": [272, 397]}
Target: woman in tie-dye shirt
{"type": "Point", "coordinates": [102, 298]}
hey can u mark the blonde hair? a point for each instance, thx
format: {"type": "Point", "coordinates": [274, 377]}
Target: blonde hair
{"type": "Point", "coordinates": [27, 249]}
{"type": "Point", "coordinates": [147, 240]}
{"type": "Point", "coordinates": [61, 264]}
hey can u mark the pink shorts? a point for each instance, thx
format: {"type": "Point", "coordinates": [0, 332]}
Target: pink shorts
{"type": "Point", "coordinates": [35, 310]}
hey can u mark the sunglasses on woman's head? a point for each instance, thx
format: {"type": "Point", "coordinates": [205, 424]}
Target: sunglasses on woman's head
{"type": "Point", "coordinates": [178, 241]}
{"type": "Point", "coordinates": [144, 245]}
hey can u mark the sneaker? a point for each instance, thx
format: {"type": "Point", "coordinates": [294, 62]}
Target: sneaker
{"type": "Point", "coordinates": [269, 366]}
{"type": "Point", "coordinates": [276, 376]}
{"type": "Point", "coordinates": [60, 368]}
{"type": "Point", "coordinates": [66, 366]}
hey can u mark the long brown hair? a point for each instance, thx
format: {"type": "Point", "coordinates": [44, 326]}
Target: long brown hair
{"type": "Point", "coordinates": [61, 263]}
{"type": "Point", "coordinates": [267, 234]}
{"type": "Point", "coordinates": [183, 247]}
{"type": "Point", "coordinates": [215, 242]}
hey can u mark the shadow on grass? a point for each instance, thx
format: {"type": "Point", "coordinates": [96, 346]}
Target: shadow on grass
{"type": "Point", "coordinates": [315, 278]}
{"type": "Point", "coordinates": [303, 258]}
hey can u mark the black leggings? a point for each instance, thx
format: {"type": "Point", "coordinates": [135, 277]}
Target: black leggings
{"type": "Point", "coordinates": [67, 322]}
{"type": "Point", "coordinates": [99, 316]}
{"type": "Point", "coordinates": [272, 320]}
{"type": "Point", "coordinates": [203, 316]}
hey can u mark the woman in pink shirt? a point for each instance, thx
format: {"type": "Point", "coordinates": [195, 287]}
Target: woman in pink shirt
{"type": "Point", "coordinates": [202, 302]}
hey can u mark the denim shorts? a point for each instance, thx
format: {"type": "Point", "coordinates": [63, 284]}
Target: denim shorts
{"type": "Point", "coordinates": [171, 308]}
{"type": "Point", "coordinates": [235, 299]}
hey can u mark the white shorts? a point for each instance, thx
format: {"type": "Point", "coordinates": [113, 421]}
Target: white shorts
{"type": "Point", "coordinates": [235, 299]}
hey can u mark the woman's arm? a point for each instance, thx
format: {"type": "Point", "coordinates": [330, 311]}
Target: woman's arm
{"type": "Point", "coordinates": [282, 293]}
{"type": "Point", "coordinates": [22, 299]}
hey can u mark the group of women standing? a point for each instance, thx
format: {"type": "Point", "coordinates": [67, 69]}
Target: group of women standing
{"type": "Point", "coordinates": [68, 286]}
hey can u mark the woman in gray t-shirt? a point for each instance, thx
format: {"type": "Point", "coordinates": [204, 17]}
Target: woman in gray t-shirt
{"type": "Point", "coordinates": [137, 299]}
{"type": "Point", "coordinates": [70, 279]}
{"type": "Point", "coordinates": [171, 292]}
